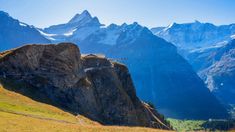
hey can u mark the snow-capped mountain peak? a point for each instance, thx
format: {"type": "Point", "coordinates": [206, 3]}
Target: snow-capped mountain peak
{"type": "Point", "coordinates": [77, 29]}
{"type": "Point", "coordinates": [174, 25]}
{"type": "Point", "coordinates": [233, 36]}
{"type": "Point", "coordinates": [84, 19]}
{"type": "Point", "coordinates": [85, 16]}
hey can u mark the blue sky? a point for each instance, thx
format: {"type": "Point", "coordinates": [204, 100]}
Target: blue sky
{"type": "Point", "coordinates": [150, 13]}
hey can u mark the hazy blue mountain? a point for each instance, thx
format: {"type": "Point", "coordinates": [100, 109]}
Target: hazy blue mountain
{"type": "Point", "coordinates": [157, 29]}
{"type": "Point", "coordinates": [215, 66]}
{"type": "Point", "coordinates": [14, 33]}
{"type": "Point", "coordinates": [220, 75]}
{"type": "Point", "coordinates": [210, 50]}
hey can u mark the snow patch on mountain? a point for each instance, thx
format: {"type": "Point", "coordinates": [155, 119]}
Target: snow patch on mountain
{"type": "Point", "coordinates": [123, 34]}
{"type": "Point", "coordinates": [110, 38]}
{"type": "Point", "coordinates": [70, 33]}
{"type": "Point", "coordinates": [110, 34]}
{"type": "Point", "coordinates": [233, 36]}
{"type": "Point", "coordinates": [46, 35]}
{"type": "Point", "coordinates": [23, 24]}
{"type": "Point", "coordinates": [194, 35]}
{"type": "Point", "coordinates": [206, 48]}
{"type": "Point", "coordinates": [82, 33]}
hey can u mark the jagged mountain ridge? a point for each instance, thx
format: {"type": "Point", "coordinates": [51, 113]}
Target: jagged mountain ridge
{"type": "Point", "coordinates": [77, 29]}
{"type": "Point", "coordinates": [195, 35]}
{"type": "Point", "coordinates": [14, 33]}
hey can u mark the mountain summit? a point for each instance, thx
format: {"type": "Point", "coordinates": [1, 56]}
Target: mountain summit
{"type": "Point", "coordinates": [78, 28]}
{"type": "Point", "coordinates": [85, 16]}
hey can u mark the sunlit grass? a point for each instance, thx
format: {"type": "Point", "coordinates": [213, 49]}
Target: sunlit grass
{"type": "Point", "coordinates": [11, 102]}
{"type": "Point", "coordinates": [186, 125]}
{"type": "Point", "coordinates": [201, 125]}
{"type": "Point", "coordinates": [5, 53]}
{"type": "Point", "coordinates": [18, 123]}
{"type": "Point", "coordinates": [14, 102]}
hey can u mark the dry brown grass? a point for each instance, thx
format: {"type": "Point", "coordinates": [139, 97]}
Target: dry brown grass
{"type": "Point", "coordinates": [14, 102]}
{"type": "Point", "coordinates": [5, 53]}
{"type": "Point", "coordinates": [17, 123]}
{"type": "Point", "coordinates": [21, 114]}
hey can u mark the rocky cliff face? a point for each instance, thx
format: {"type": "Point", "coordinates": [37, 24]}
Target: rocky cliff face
{"type": "Point", "coordinates": [89, 85]}
{"type": "Point", "coordinates": [220, 75]}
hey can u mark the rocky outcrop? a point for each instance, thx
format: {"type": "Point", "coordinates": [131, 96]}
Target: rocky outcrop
{"type": "Point", "coordinates": [89, 85]}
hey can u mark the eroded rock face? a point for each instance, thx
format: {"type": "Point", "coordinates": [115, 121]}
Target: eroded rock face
{"type": "Point", "coordinates": [90, 85]}
{"type": "Point", "coordinates": [220, 75]}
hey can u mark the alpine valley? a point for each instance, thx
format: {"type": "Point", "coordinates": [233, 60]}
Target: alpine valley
{"type": "Point", "coordinates": [209, 49]}
{"type": "Point", "coordinates": [182, 71]}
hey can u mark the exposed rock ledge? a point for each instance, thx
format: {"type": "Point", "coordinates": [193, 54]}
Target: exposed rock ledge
{"type": "Point", "coordinates": [90, 85]}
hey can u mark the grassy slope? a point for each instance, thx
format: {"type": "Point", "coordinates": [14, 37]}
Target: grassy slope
{"type": "Point", "coordinates": [17, 123]}
{"type": "Point", "coordinates": [186, 125]}
{"type": "Point", "coordinates": [199, 125]}
{"type": "Point", "coordinates": [19, 113]}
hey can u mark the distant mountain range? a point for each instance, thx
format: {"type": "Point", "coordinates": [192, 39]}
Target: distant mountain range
{"type": "Point", "coordinates": [160, 74]}
{"type": "Point", "coordinates": [210, 50]}
{"type": "Point", "coordinates": [196, 34]}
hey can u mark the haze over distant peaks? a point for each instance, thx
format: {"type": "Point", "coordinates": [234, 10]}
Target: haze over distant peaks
{"type": "Point", "coordinates": [196, 34]}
